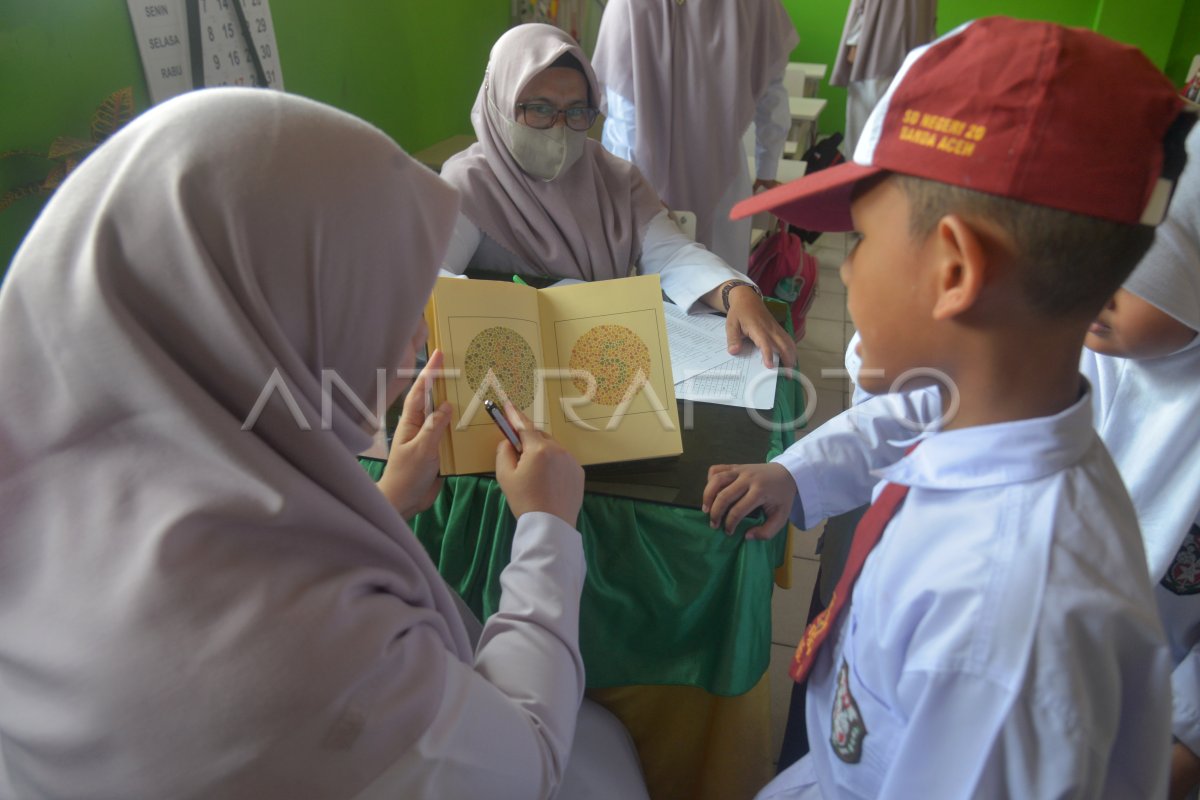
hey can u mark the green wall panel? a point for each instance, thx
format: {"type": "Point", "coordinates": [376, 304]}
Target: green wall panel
{"type": "Point", "coordinates": [1148, 24]}
{"type": "Point", "coordinates": [1186, 44]}
{"type": "Point", "coordinates": [820, 28]}
{"type": "Point", "coordinates": [412, 68]}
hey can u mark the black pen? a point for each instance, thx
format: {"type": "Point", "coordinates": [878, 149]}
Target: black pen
{"type": "Point", "coordinates": [498, 417]}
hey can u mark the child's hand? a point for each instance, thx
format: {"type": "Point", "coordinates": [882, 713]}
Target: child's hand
{"type": "Point", "coordinates": [735, 490]}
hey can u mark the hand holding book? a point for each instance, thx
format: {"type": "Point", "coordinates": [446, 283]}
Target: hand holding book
{"type": "Point", "coordinates": [410, 480]}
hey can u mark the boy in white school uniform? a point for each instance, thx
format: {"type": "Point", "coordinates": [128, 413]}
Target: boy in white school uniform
{"type": "Point", "coordinates": [1143, 358]}
{"type": "Point", "coordinates": [997, 641]}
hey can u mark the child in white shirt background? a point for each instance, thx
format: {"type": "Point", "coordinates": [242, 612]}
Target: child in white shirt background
{"type": "Point", "coordinates": [1143, 361]}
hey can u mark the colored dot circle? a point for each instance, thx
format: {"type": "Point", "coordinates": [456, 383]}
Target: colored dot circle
{"type": "Point", "coordinates": [617, 358]}
{"type": "Point", "coordinates": [509, 357]}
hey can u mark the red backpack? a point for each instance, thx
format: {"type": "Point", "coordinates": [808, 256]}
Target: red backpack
{"type": "Point", "coordinates": [783, 269]}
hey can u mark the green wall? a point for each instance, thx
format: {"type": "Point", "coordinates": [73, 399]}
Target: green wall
{"type": "Point", "coordinates": [410, 67]}
{"type": "Point", "coordinates": [1187, 42]}
{"type": "Point", "coordinates": [1168, 31]}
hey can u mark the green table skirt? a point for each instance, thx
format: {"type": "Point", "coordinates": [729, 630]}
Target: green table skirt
{"type": "Point", "coordinates": [667, 599]}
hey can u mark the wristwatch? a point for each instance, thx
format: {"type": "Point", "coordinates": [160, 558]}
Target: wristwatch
{"type": "Point", "coordinates": [730, 286]}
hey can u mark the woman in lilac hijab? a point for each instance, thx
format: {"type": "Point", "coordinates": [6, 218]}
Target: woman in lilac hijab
{"type": "Point", "coordinates": [541, 198]}
{"type": "Point", "coordinates": [202, 594]}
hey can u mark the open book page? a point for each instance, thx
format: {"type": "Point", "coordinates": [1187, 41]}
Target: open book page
{"type": "Point", "coordinates": [613, 397]}
{"type": "Point", "coordinates": [489, 334]}
{"type": "Point", "coordinates": [706, 373]}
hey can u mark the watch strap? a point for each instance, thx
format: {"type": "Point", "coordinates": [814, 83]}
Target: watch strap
{"type": "Point", "coordinates": [730, 286]}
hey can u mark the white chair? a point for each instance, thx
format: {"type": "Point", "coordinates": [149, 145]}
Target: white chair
{"type": "Point", "coordinates": [806, 114]}
{"type": "Point", "coordinates": [686, 221]}
{"type": "Point", "coordinates": [795, 80]}
{"type": "Point", "coordinates": [803, 79]}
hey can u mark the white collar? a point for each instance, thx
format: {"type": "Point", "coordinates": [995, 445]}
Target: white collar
{"type": "Point", "coordinates": [994, 455]}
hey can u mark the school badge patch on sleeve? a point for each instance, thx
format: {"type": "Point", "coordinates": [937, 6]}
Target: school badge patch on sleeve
{"type": "Point", "coordinates": [1183, 576]}
{"type": "Point", "coordinates": [849, 730]}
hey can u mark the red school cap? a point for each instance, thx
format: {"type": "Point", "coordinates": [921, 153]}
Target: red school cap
{"type": "Point", "coordinates": [1033, 111]}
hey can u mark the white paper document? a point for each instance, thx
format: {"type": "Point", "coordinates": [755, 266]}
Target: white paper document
{"type": "Point", "coordinates": [740, 381]}
{"type": "Point", "coordinates": [695, 344]}
{"type": "Point", "coordinates": [704, 371]}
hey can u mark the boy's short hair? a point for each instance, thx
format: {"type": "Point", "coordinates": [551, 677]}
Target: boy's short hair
{"type": "Point", "coordinates": [1070, 264]}
{"type": "Point", "coordinates": [1023, 111]}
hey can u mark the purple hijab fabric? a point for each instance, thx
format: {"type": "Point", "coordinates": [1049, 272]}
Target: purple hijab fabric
{"type": "Point", "coordinates": [192, 605]}
{"type": "Point", "coordinates": [891, 28]}
{"type": "Point", "coordinates": [587, 223]}
{"type": "Point", "coordinates": [694, 72]}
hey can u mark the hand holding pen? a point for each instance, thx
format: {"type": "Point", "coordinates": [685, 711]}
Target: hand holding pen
{"type": "Point", "coordinates": [537, 473]}
{"type": "Point", "coordinates": [497, 416]}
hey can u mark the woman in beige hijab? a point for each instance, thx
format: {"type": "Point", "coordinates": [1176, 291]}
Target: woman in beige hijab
{"type": "Point", "coordinates": [541, 198]}
{"type": "Point", "coordinates": [202, 594]}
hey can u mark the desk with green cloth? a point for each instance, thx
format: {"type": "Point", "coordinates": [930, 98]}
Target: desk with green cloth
{"type": "Point", "coordinates": [675, 620]}
{"type": "Point", "coordinates": [667, 599]}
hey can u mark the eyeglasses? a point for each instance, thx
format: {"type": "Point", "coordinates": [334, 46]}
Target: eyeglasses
{"type": "Point", "coordinates": [543, 115]}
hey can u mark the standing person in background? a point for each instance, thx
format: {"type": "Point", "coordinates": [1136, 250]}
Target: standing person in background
{"type": "Point", "coordinates": [877, 36]}
{"type": "Point", "coordinates": [1143, 358]}
{"type": "Point", "coordinates": [682, 82]}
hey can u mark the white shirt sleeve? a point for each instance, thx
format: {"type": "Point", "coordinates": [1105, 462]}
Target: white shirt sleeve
{"type": "Point", "coordinates": [1180, 615]}
{"type": "Point", "coordinates": [832, 465]}
{"type": "Point", "coordinates": [772, 123]}
{"type": "Point", "coordinates": [620, 126]}
{"type": "Point", "coordinates": [464, 241]}
{"type": "Point", "coordinates": [686, 269]}
{"type": "Point", "coordinates": [1185, 701]}
{"type": "Point", "coordinates": [505, 724]}
{"type": "Point", "coordinates": [997, 748]}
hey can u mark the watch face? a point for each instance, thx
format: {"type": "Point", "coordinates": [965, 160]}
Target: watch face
{"type": "Point", "coordinates": [233, 43]}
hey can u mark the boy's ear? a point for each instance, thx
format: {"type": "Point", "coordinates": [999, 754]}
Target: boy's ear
{"type": "Point", "coordinates": [960, 264]}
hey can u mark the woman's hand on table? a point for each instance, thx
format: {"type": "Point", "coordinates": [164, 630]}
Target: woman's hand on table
{"type": "Point", "coordinates": [749, 318]}
{"type": "Point", "coordinates": [737, 490]}
{"type": "Point", "coordinates": [542, 477]}
{"type": "Point", "coordinates": [410, 480]}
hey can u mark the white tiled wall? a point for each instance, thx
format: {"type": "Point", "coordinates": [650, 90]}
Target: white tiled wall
{"type": "Point", "coordinates": [822, 348]}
